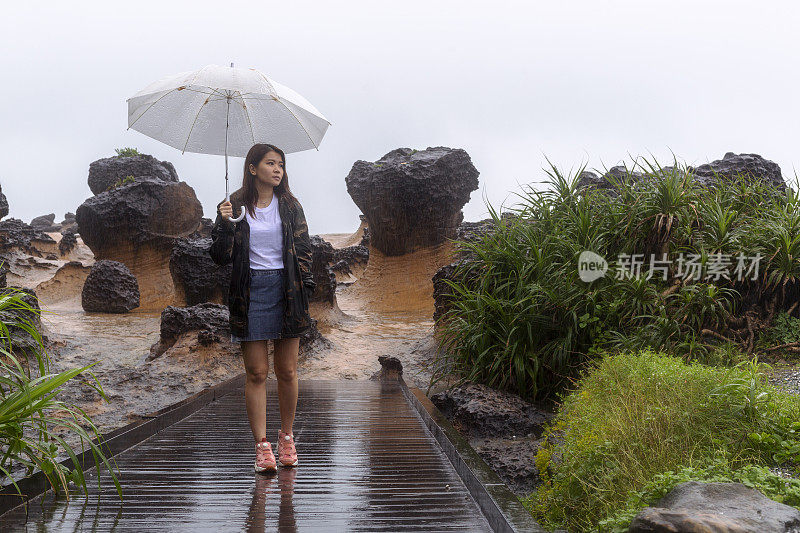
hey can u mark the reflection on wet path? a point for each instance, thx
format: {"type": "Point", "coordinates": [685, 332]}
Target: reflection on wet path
{"type": "Point", "coordinates": [366, 463]}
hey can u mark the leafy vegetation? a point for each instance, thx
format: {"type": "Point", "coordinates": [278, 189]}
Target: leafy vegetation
{"type": "Point", "coordinates": [126, 152]}
{"type": "Point", "coordinates": [120, 182]}
{"type": "Point", "coordinates": [640, 423]}
{"type": "Point", "coordinates": [30, 411]}
{"type": "Point", "coordinates": [522, 319]}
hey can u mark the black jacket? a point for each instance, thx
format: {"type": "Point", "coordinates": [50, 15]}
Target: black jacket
{"type": "Point", "coordinates": [230, 242]}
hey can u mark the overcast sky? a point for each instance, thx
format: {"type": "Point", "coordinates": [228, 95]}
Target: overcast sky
{"type": "Point", "coordinates": [510, 82]}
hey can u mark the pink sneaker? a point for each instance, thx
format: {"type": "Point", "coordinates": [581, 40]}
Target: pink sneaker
{"type": "Point", "coordinates": [265, 459]}
{"type": "Point", "coordinates": [287, 455]}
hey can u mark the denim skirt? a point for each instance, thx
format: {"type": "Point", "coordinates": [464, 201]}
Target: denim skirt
{"type": "Point", "coordinates": [267, 305]}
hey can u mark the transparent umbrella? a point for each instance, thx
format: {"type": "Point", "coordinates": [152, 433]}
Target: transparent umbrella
{"type": "Point", "coordinates": [225, 110]}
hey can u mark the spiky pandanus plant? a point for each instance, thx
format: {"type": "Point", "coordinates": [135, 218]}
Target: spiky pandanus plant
{"type": "Point", "coordinates": [526, 322]}
{"type": "Point", "coordinates": [30, 411]}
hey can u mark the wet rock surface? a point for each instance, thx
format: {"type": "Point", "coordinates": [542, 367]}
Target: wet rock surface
{"type": "Point", "coordinates": [716, 507]}
{"type": "Point", "coordinates": [138, 224]}
{"type": "Point", "coordinates": [747, 167]}
{"type": "Point", "coordinates": [196, 277]}
{"type": "Point", "coordinates": [487, 412]}
{"type": "Point", "coordinates": [67, 243]}
{"type": "Point", "coordinates": [110, 288]}
{"type": "Point", "coordinates": [105, 172]}
{"type": "Point", "coordinates": [502, 427]}
{"type": "Point", "coordinates": [412, 199]}
{"type": "Point", "coordinates": [737, 167]}
{"type": "Point", "coordinates": [16, 234]}
{"type": "Point", "coordinates": [209, 318]}
{"type": "Point", "coordinates": [323, 257]}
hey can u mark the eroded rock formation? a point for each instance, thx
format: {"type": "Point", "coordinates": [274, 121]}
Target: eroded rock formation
{"type": "Point", "coordinates": [745, 167]}
{"type": "Point", "coordinates": [104, 173]}
{"type": "Point", "coordinates": [196, 277]}
{"type": "Point", "coordinates": [138, 224]}
{"type": "Point", "coordinates": [110, 288]}
{"type": "Point", "coordinates": [210, 320]}
{"type": "Point", "coordinates": [412, 199]}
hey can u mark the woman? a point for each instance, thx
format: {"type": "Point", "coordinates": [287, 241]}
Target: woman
{"type": "Point", "coordinates": [268, 295]}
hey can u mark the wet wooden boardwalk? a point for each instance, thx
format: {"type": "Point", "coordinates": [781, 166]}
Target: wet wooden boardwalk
{"type": "Point", "coordinates": [367, 463]}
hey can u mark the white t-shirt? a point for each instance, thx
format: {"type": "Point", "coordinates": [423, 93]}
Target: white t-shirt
{"type": "Point", "coordinates": [266, 236]}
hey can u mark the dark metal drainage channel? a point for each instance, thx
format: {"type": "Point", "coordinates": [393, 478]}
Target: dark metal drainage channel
{"type": "Point", "coordinates": [367, 463]}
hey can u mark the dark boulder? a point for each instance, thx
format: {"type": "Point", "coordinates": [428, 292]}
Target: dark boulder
{"type": "Point", "coordinates": [67, 243]}
{"type": "Point", "coordinates": [16, 234]}
{"type": "Point", "coordinates": [46, 223]}
{"type": "Point", "coordinates": [344, 259]}
{"type": "Point", "coordinates": [746, 167]}
{"type": "Point", "coordinates": [208, 318]}
{"type": "Point", "coordinates": [486, 412]}
{"type": "Point", "coordinates": [104, 173]}
{"type": "Point", "coordinates": [324, 277]}
{"type": "Point", "coordinates": [412, 199]}
{"type": "Point", "coordinates": [110, 288]}
{"type": "Point", "coordinates": [513, 460]}
{"type": "Point", "coordinates": [716, 508]}
{"type": "Point", "coordinates": [138, 224]}
{"type": "Point", "coordinates": [69, 224]}
{"type": "Point", "coordinates": [195, 276]}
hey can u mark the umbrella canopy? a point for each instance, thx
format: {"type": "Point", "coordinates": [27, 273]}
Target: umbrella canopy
{"type": "Point", "coordinates": [225, 111]}
{"type": "Point", "coordinates": [190, 111]}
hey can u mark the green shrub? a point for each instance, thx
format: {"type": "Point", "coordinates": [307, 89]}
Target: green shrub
{"type": "Point", "coordinates": [521, 319]}
{"type": "Point", "coordinates": [126, 152]}
{"type": "Point", "coordinates": [30, 410]}
{"type": "Point", "coordinates": [641, 416]}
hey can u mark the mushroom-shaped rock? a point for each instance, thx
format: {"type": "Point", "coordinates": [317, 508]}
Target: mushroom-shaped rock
{"type": "Point", "coordinates": [104, 173]}
{"type": "Point", "coordinates": [196, 277]}
{"type": "Point", "coordinates": [413, 199]}
{"type": "Point", "coordinates": [138, 224]}
{"type": "Point", "coordinates": [747, 167]}
{"type": "Point", "coordinates": [110, 288]}
{"type": "Point", "coordinates": [45, 222]}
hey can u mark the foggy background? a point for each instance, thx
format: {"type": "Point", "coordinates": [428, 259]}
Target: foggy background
{"type": "Point", "coordinates": [585, 82]}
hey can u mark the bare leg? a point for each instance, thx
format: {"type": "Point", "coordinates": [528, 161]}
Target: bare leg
{"type": "Point", "coordinates": [285, 362]}
{"type": "Point", "coordinates": [255, 386]}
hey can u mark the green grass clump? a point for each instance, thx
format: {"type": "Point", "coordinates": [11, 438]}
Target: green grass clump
{"type": "Point", "coordinates": [126, 152]}
{"type": "Point", "coordinates": [639, 418]}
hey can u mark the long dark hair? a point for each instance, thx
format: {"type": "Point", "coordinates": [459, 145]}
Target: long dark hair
{"type": "Point", "coordinates": [254, 157]}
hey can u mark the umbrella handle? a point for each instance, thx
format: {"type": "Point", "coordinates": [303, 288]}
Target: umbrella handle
{"type": "Point", "coordinates": [241, 215]}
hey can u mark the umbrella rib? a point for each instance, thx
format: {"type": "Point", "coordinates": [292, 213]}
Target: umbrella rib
{"type": "Point", "coordinates": [151, 105]}
{"type": "Point", "coordinates": [298, 121]}
{"type": "Point", "coordinates": [192, 128]}
{"type": "Point", "coordinates": [247, 114]}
